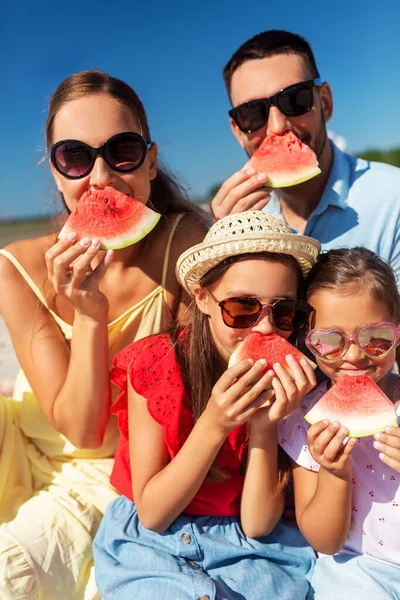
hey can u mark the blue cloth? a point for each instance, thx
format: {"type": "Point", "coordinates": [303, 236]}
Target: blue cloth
{"type": "Point", "coordinates": [360, 206]}
{"type": "Point", "coordinates": [198, 558]}
{"type": "Point", "coordinates": [350, 577]}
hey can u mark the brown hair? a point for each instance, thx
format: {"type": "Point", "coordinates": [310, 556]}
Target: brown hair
{"type": "Point", "coordinates": [350, 268]}
{"type": "Point", "coordinates": [198, 355]}
{"type": "Point", "coordinates": [166, 195]}
{"type": "Point", "coordinates": [269, 43]}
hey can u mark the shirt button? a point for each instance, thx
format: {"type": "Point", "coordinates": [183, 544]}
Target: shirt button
{"type": "Point", "coordinates": [186, 538]}
{"type": "Point", "coordinates": [193, 564]}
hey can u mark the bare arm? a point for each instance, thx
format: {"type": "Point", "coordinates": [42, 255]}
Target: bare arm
{"type": "Point", "coordinates": [70, 382]}
{"type": "Point", "coordinates": [330, 487]}
{"type": "Point", "coordinates": [262, 500]}
{"type": "Point", "coordinates": [262, 504]}
{"type": "Point", "coordinates": [163, 490]}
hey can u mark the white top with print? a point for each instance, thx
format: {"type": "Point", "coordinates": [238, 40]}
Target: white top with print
{"type": "Point", "coordinates": [375, 523]}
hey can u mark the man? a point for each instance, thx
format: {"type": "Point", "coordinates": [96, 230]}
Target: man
{"type": "Point", "coordinates": [352, 202]}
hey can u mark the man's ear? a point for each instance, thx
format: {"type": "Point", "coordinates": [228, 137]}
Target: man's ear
{"type": "Point", "coordinates": [202, 298]}
{"type": "Point", "coordinates": [326, 101]}
{"type": "Point", "coordinates": [236, 132]}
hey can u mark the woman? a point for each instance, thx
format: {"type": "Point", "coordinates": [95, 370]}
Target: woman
{"type": "Point", "coordinates": [69, 308]}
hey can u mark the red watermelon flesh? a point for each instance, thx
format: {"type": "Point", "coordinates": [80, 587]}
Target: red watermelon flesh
{"type": "Point", "coordinates": [116, 219]}
{"type": "Point", "coordinates": [272, 347]}
{"type": "Point", "coordinates": [285, 160]}
{"type": "Point", "coordinates": [356, 403]}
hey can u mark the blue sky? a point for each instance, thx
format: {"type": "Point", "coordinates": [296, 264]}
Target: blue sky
{"type": "Point", "coordinates": [172, 53]}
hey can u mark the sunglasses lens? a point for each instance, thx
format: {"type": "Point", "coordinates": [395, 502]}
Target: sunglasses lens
{"type": "Point", "coordinates": [73, 159]}
{"type": "Point", "coordinates": [376, 341]}
{"type": "Point", "coordinates": [241, 313]}
{"type": "Point", "coordinates": [326, 344]}
{"type": "Point", "coordinates": [288, 315]}
{"type": "Point", "coordinates": [126, 153]}
{"type": "Point", "coordinates": [251, 116]}
{"type": "Point", "coordinates": [296, 100]}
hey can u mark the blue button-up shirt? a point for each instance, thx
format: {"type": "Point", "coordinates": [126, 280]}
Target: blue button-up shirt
{"type": "Point", "coordinates": [360, 206]}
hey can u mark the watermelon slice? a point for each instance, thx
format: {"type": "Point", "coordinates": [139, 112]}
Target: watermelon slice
{"type": "Point", "coordinates": [358, 404]}
{"type": "Point", "coordinates": [285, 160]}
{"type": "Point", "coordinates": [272, 347]}
{"type": "Point", "coordinates": [116, 219]}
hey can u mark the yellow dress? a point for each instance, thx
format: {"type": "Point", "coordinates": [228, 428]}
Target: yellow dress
{"type": "Point", "coordinates": [52, 494]}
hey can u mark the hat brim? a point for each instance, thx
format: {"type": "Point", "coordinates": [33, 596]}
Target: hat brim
{"type": "Point", "coordinates": [198, 260]}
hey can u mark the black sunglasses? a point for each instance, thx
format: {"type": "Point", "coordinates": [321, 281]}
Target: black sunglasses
{"type": "Point", "coordinates": [292, 101]}
{"type": "Point", "coordinates": [124, 152]}
{"type": "Point", "coordinates": [242, 312]}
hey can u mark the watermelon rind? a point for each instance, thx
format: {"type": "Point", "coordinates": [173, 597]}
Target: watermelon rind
{"type": "Point", "coordinates": [89, 219]}
{"type": "Point", "coordinates": [242, 352]}
{"type": "Point", "coordinates": [350, 406]}
{"type": "Point", "coordinates": [283, 180]}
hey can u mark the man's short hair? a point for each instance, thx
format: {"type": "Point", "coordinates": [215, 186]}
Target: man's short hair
{"type": "Point", "coordinates": [269, 43]}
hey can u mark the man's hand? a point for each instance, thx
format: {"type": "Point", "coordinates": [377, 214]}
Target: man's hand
{"type": "Point", "coordinates": [243, 191]}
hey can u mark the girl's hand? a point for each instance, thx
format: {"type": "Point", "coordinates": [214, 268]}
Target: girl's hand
{"type": "Point", "coordinates": [289, 390]}
{"type": "Point", "coordinates": [388, 444]}
{"type": "Point", "coordinates": [70, 271]}
{"type": "Point", "coordinates": [243, 191]}
{"type": "Point", "coordinates": [325, 441]}
{"type": "Point", "coordinates": [238, 394]}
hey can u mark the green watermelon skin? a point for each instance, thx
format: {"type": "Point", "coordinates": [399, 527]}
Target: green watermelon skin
{"type": "Point", "coordinates": [116, 219]}
{"type": "Point", "coordinates": [358, 404]}
{"type": "Point", "coordinates": [285, 160]}
{"type": "Point", "coordinates": [272, 347]}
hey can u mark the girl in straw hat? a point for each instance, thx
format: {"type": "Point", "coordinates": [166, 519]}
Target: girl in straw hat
{"type": "Point", "coordinates": [197, 464]}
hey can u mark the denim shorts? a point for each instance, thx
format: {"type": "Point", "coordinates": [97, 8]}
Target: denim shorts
{"type": "Point", "coordinates": [198, 558]}
{"type": "Point", "coordinates": [353, 577]}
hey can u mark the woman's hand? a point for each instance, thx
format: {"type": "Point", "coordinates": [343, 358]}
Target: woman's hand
{"type": "Point", "coordinates": [325, 441]}
{"type": "Point", "coordinates": [289, 391]}
{"type": "Point", "coordinates": [243, 191]}
{"type": "Point", "coordinates": [70, 271]}
{"type": "Point", "coordinates": [238, 394]}
{"type": "Point", "coordinates": [388, 445]}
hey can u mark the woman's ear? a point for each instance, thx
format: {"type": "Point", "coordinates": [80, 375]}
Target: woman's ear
{"type": "Point", "coordinates": [152, 157]}
{"type": "Point", "coordinates": [202, 298]}
{"type": "Point", "coordinates": [57, 177]}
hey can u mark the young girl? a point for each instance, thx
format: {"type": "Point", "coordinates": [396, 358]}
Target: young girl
{"type": "Point", "coordinates": [70, 308]}
{"type": "Point", "coordinates": [198, 527]}
{"type": "Point", "coordinates": [347, 493]}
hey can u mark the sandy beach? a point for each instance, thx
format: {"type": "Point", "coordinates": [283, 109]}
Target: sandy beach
{"type": "Point", "coordinates": [8, 360]}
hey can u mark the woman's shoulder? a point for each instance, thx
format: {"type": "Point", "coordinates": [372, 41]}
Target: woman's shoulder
{"type": "Point", "coordinates": [30, 255]}
{"type": "Point", "coordinates": [190, 229]}
{"type": "Point", "coordinates": [187, 229]}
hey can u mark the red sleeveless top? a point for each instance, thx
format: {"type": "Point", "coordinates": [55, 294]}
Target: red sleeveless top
{"type": "Point", "coordinates": [154, 373]}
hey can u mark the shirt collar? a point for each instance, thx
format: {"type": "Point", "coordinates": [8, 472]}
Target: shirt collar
{"type": "Point", "coordinates": [336, 190]}
{"type": "Point", "coordinates": [337, 187]}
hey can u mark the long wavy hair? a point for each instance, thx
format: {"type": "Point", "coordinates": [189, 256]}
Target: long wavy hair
{"type": "Point", "coordinates": [199, 358]}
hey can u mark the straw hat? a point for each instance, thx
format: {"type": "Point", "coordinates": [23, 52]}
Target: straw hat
{"type": "Point", "coordinates": [240, 233]}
